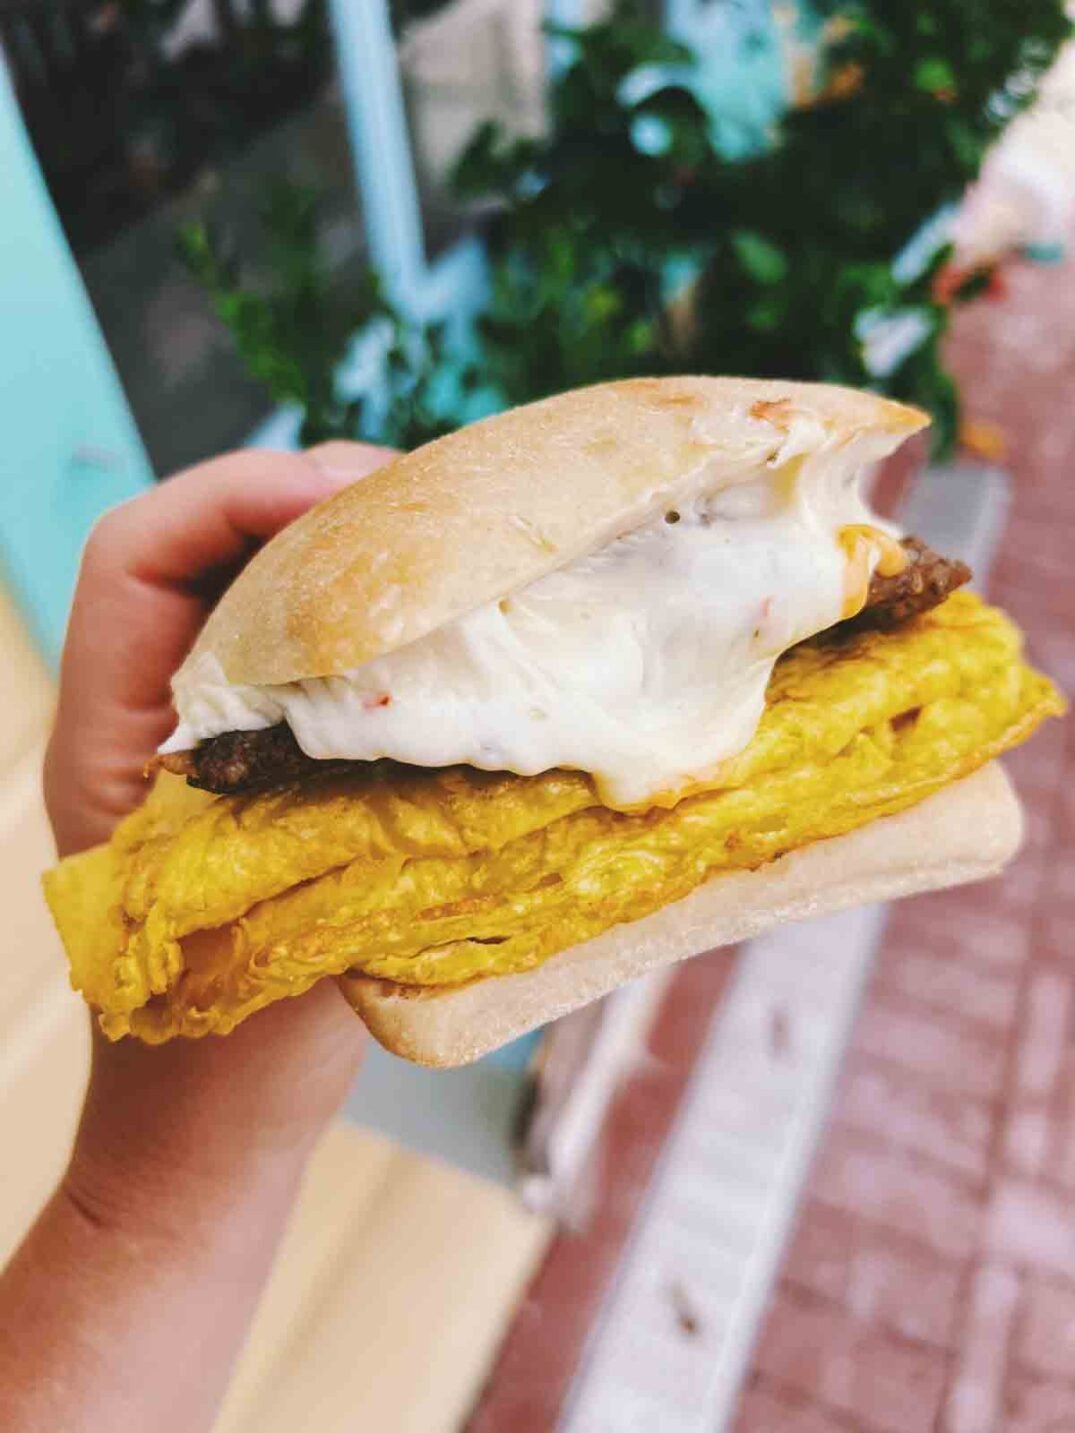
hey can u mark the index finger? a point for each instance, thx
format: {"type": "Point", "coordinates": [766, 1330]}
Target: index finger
{"type": "Point", "coordinates": [211, 516]}
{"type": "Point", "coordinates": [147, 560]}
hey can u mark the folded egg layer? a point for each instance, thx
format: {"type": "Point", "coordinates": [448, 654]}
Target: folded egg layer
{"type": "Point", "coordinates": [202, 910]}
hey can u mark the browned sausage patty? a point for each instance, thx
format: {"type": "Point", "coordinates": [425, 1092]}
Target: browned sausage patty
{"type": "Point", "coordinates": [925, 582]}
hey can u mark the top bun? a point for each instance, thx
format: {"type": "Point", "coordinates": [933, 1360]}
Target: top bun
{"type": "Point", "coordinates": [490, 508]}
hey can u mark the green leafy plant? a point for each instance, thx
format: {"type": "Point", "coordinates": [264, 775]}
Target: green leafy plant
{"type": "Point", "coordinates": [909, 99]}
{"type": "Point", "coordinates": [795, 252]}
{"type": "Point", "coordinates": [591, 224]}
{"type": "Point", "coordinates": [296, 328]}
{"type": "Point", "coordinates": [623, 241]}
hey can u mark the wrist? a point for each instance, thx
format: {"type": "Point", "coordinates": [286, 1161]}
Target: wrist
{"type": "Point", "coordinates": [197, 1129]}
{"type": "Point", "coordinates": [175, 1208]}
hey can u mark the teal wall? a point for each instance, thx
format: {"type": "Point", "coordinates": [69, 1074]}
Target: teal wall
{"type": "Point", "coordinates": [69, 448]}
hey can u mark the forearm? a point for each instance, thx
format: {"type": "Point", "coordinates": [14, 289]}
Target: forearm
{"type": "Point", "coordinates": [128, 1302]}
{"type": "Point", "coordinates": [132, 1317]}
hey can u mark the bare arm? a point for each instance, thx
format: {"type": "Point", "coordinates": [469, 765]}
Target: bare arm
{"type": "Point", "coordinates": [129, 1299]}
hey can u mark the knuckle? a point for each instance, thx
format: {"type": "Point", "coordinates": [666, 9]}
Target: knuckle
{"type": "Point", "coordinates": [111, 534]}
{"type": "Point", "coordinates": [100, 539]}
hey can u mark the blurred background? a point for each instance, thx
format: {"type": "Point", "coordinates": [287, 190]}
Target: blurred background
{"type": "Point", "coordinates": [823, 1181]}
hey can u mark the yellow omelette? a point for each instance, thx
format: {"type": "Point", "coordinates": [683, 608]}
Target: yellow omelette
{"type": "Point", "coordinates": [203, 909]}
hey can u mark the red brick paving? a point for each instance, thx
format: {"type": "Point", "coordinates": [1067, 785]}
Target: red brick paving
{"type": "Point", "coordinates": [850, 1365]}
{"type": "Point", "coordinates": [936, 1047]}
{"type": "Point", "coordinates": [977, 1384]}
{"type": "Point", "coordinates": [897, 1189]}
{"type": "Point", "coordinates": [766, 1407]}
{"type": "Point", "coordinates": [930, 1284]}
{"type": "Point", "coordinates": [819, 1256]}
{"type": "Point", "coordinates": [939, 980]}
{"type": "Point", "coordinates": [1046, 1336]}
{"type": "Point", "coordinates": [1034, 1405]}
{"type": "Point", "coordinates": [951, 1128]}
{"type": "Point", "coordinates": [904, 1288]}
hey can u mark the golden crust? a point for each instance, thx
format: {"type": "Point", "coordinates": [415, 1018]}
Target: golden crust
{"type": "Point", "coordinates": [498, 504]}
{"type": "Point", "coordinates": [967, 832]}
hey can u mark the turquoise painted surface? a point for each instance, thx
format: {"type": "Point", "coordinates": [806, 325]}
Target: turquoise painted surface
{"type": "Point", "coordinates": [70, 448]}
{"type": "Point", "coordinates": [518, 1055]}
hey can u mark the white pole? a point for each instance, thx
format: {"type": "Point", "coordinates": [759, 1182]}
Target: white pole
{"type": "Point", "coordinates": [381, 146]}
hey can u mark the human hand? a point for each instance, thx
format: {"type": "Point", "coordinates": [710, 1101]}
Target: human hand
{"type": "Point", "coordinates": [209, 1109]}
{"type": "Point", "coordinates": [135, 1288]}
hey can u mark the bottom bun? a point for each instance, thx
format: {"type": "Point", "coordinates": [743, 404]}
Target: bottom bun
{"type": "Point", "coordinates": [966, 832]}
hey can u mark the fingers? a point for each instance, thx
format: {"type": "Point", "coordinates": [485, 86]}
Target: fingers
{"type": "Point", "coordinates": [143, 578]}
{"type": "Point", "coordinates": [140, 600]}
{"type": "Point", "coordinates": [212, 516]}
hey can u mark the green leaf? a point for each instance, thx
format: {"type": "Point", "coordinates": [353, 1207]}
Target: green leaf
{"type": "Point", "coordinates": [766, 315]}
{"type": "Point", "coordinates": [933, 74]}
{"type": "Point", "coordinates": [760, 257]}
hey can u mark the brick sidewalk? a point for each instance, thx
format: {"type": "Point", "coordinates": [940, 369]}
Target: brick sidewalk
{"type": "Point", "coordinates": [931, 1280]}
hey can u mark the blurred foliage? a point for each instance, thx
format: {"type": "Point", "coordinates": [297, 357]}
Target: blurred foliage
{"type": "Point", "coordinates": [783, 261]}
{"type": "Point", "coordinates": [909, 98]}
{"type": "Point", "coordinates": [622, 241]}
{"type": "Point", "coordinates": [295, 329]}
{"type": "Point", "coordinates": [593, 215]}
{"type": "Point", "coordinates": [118, 119]}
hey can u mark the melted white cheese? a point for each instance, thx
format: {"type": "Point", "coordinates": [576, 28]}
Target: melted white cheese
{"type": "Point", "coordinates": [645, 663]}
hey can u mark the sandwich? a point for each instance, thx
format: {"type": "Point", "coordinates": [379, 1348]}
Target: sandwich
{"type": "Point", "coordinates": [577, 691]}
